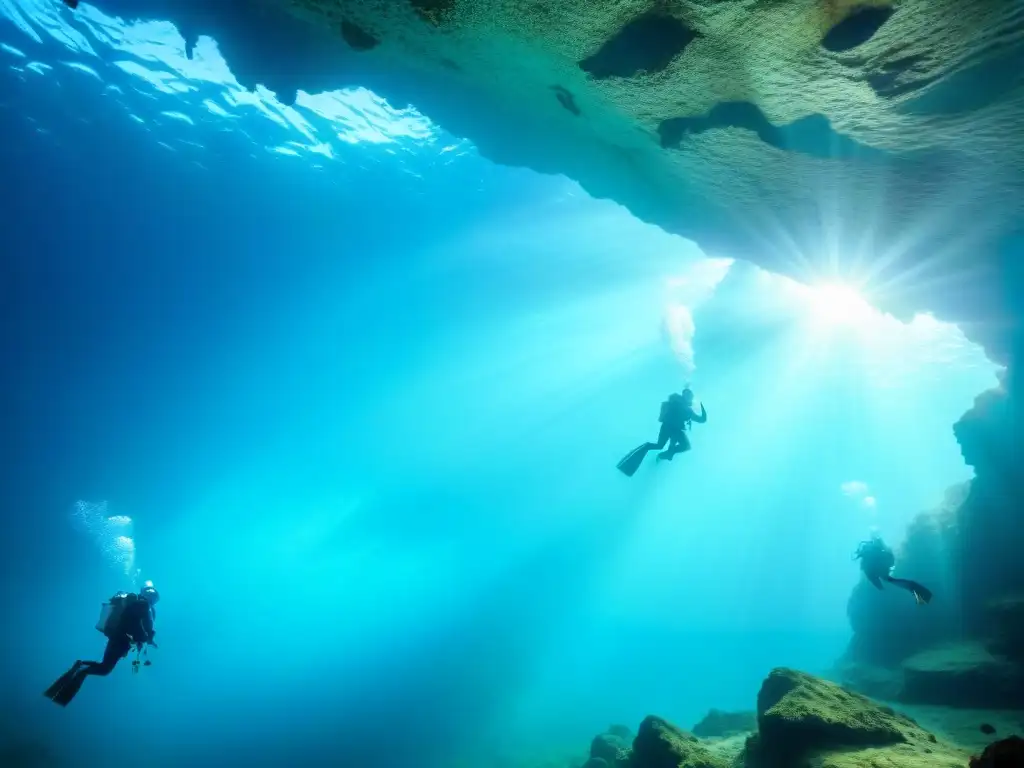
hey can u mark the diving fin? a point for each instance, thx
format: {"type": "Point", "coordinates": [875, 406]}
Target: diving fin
{"type": "Point", "coordinates": [61, 681]}
{"type": "Point", "coordinates": [921, 593]}
{"type": "Point", "coordinates": [632, 460]}
{"type": "Point", "coordinates": [70, 689]}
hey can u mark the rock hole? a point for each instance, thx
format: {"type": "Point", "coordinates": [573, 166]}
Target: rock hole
{"type": "Point", "coordinates": [646, 44]}
{"type": "Point", "coordinates": [566, 99]}
{"type": "Point", "coordinates": [857, 28]}
{"type": "Point", "coordinates": [357, 38]}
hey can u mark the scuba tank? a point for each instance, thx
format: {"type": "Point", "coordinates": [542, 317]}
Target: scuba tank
{"type": "Point", "coordinates": [111, 613]}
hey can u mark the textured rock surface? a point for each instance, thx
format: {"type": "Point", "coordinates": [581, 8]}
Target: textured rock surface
{"type": "Point", "coordinates": [803, 720]}
{"type": "Point", "coordinates": [786, 132]}
{"type": "Point", "coordinates": [718, 724]}
{"type": "Point", "coordinates": [659, 744]}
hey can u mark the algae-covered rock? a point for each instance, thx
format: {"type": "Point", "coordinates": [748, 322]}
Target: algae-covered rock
{"type": "Point", "coordinates": [795, 708]}
{"type": "Point", "coordinates": [659, 744]}
{"type": "Point", "coordinates": [719, 724]}
{"type": "Point", "coordinates": [962, 675]}
{"type": "Point", "coordinates": [803, 720]}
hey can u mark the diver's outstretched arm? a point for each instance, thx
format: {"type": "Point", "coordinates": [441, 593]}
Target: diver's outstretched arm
{"type": "Point", "coordinates": [699, 419]}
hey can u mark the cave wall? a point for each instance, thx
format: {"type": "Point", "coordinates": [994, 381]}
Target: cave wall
{"type": "Point", "coordinates": [768, 130]}
{"type": "Point", "coordinates": [970, 551]}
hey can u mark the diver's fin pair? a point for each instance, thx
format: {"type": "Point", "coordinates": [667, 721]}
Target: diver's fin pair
{"type": "Point", "coordinates": [66, 686]}
{"type": "Point", "coordinates": [921, 593]}
{"type": "Point", "coordinates": [632, 460]}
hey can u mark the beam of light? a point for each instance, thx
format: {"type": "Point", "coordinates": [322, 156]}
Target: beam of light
{"type": "Point", "coordinates": [836, 304]}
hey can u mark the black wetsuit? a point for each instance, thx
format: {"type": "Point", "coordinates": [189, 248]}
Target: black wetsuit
{"type": "Point", "coordinates": [676, 417]}
{"type": "Point", "coordinates": [134, 629]}
{"type": "Point", "coordinates": [877, 562]}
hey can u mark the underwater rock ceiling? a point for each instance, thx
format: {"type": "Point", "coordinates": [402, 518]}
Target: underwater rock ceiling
{"type": "Point", "coordinates": [815, 138]}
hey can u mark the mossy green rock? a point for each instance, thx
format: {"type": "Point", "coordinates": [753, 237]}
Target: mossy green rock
{"type": "Point", "coordinates": [806, 721]}
{"type": "Point", "coordinates": [797, 708]}
{"type": "Point", "coordinates": [659, 744]}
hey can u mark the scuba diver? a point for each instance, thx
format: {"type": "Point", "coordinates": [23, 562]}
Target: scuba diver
{"type": "Point", "coordinates": [127, 621]}
{"type": "Point", "coordinates": [677, 416]}
{"type": "Point", "coordinates": [877, 561]}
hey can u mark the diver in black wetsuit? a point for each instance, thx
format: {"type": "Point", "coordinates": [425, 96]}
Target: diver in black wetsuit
{"type": "Point", "coordinates": [129, 625]}
{"type": "Point", "coordinates": [677, 415]}
{"type": "Point", "coordinates": [877, 561]}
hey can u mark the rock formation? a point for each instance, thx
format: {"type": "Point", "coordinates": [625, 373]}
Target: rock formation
{"type": "Point", "coordinates": [804, 721]}
{"type": "Point", "coordinates": [659, 744]}
{"type": "Point", "coordinates": [967, 648]}
{"type": "Point", "coordinates": [767, 130]}
{"type": "Point", "coordinates": [964, 674]}
{"type": "Point", "coordinates": [612, 749]}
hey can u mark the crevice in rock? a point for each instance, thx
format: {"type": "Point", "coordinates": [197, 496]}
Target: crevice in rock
{"type": "Point", "coordinates": [812, 135]}
{"type": "Point", "coordinates": [646, 44]}
{"type": "Point", "coordinates": [857, 28]}
{"type": "Point", "coordinates": [357, 38]}
{"type": "Point", "coordinates": [566, 99]}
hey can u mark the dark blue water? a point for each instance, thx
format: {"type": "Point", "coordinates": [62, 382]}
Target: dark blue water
{"type": "Point", "coordinates": [361, 394]}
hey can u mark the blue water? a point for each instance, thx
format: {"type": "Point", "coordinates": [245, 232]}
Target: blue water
{"type": "Point", "coordinates": [361, 393]}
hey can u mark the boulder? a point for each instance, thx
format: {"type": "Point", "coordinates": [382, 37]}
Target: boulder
{"type": "Point", "coordinates": [803, 720]}
{"type": "Point", "coordinates": [962, 675]}
{"type": "Point", "coordinates": [612, 749]}
{"type": "Point", "coordinates": [659, 744]}
{"type": "Point", "coordinates": [596, 762]}
{"type": "Point", "coordinates": [719, 724]}
{"type": "Point", "coordinates": [1006, 753]}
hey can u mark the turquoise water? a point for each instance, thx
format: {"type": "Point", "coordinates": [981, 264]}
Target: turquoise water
{"type": "Point", "coordinates": [358, 395]}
